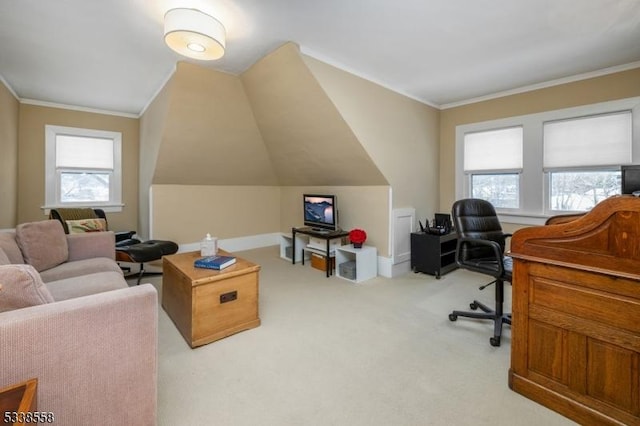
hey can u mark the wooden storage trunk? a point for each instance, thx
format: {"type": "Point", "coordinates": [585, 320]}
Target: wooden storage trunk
{"type": "Point", "coordinates": [206, 304]}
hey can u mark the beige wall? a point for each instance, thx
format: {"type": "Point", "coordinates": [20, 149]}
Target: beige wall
{"type": "Point", "coordinates": [398, 133]}
{"type": "Point", "coordinates": [364, 207]}
{"type": "Point", "coordinates": [10, 108]}
{"type": "Point", "coordinates": [31, 159]}
{"type": "Point", "coordinates": [199, 135]}
{"type": "Point", "coordinates": [152, 124]}
{"type": "Point", "coordinates": [606, 88]}
{"type": "Point", "coordinates": [217, 164]}
{"type": "Point", "coordinates": [185, 213]}
{"type": "Point", "coordinates": [210, 136]}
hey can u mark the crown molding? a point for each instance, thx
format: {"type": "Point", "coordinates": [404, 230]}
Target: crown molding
{"type": "Point", "coordinates": [76, 108]}
{"type": "Point", "coordinates": [159, 89]}
{"type": "Point", "coordinates": [550, 83]}
{"type": "Point", "coordinates": [523, 89]}
{"type": "Point", "coordinates": [9, 88]}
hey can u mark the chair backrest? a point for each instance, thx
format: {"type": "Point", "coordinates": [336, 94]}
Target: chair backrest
{"type": "Point", "coordinates": [476, 218]}
{"type": "Point", "coordinates": [65, 214]}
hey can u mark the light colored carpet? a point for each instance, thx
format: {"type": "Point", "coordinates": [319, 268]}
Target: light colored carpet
{"type": "Point", "coordinates": [330, 352]}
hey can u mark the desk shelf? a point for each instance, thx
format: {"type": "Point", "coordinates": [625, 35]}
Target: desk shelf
{"type": "Point", "coordinates": [286, 247]}
{"type": "Point", "coordinates": [306, 240]}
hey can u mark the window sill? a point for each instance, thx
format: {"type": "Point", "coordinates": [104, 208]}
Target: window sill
{"type": "Point", "coordinates": [108, 208]}
{"type": "Point", "coordinates": [522, 218]}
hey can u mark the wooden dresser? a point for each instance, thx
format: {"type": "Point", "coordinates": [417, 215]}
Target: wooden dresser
{"type": "Point", "coordinates": [576, 314]}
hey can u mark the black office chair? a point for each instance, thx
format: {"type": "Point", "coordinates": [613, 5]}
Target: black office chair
{"type": "Point", "coordinates": [480, 248]}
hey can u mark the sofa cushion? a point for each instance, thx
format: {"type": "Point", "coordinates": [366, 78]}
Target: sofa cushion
{"type": "Point", "coordinates": [79, 268]}
{"type": "Point", "coordinates": [43, 244]}
{"type": "Point", "coordinates": [86, 285]}
{"type": "Point", "coordinates": [4, 260]}
{"type": "Point", "coordinates": [10, 246]}
{"type": "Point", "coordinates": [21, 288]}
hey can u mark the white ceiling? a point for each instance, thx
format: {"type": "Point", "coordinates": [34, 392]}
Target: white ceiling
{"type": "Point", "coordinates": [110, 55]}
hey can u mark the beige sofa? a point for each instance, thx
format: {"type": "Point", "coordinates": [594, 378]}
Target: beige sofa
{"type": "Point", "coordinates": [69, 319]}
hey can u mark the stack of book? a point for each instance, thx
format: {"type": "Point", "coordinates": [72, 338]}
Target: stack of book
{"type": "Point", "coordinates": [217, 262]}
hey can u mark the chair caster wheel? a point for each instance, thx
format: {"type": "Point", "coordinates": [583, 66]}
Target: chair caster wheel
{"type": "Point", "coordinates": [495, 341]}
{"type": "Point", "coordinates": [473, 305]}
{"type": "Point", "coordinates": [453, 317]}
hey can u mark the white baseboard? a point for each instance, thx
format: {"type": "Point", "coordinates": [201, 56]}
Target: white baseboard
{"type": "Point", "coordinates": [387, 269]}
{"type": "Point", "coordinates": [385, 265]}
{"type": "Point", "coordinates": [240, 243]}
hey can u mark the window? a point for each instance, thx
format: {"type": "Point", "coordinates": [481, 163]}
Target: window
{"type": "Point", "coordinates": [570, 159]}
{"type": "Point", "coordinates": [493, 162]}
{"type": "Point", "coordinates": [581, 190]}
{"type": "Point", "coordinates": [582, 157]}
{"type": "Point", "coordinates": [83, 168]}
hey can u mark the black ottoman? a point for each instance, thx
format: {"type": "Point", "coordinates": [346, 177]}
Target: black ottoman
{"type": "Point", "coordinates": [146, 251]}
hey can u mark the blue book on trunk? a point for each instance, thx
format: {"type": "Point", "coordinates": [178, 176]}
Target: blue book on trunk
{"type": "Point", "coordinates": [214, 262]}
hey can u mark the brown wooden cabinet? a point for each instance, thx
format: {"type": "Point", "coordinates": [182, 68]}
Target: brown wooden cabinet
{"type": "Point", "coordinates": [576, 315]}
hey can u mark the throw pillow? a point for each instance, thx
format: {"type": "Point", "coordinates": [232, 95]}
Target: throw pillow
{"type": "Point", "coordinates": [86, 225]}
{"type": "Point", "coordinates": [21, 287]}
{"type": "Point", "coordinates": [43, 244]}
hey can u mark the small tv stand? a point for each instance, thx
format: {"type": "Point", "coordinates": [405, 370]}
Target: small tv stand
{"type": "Point", "coordinates": [324, 234]}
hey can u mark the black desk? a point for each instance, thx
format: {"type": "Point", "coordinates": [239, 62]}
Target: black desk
{"type": "Point", "coordinates": [325, 235]}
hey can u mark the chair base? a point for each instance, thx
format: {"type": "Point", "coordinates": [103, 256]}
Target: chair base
{"type": "Point", "coordinates": [141, 273]}
{"type": "Point", "coordinates": [487, 313]}
{"type": "Point", "coordinates": [147, 251]}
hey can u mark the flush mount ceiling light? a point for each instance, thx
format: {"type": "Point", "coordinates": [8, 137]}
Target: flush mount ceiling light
{"type": "Point", "coordinates": [194, 34]}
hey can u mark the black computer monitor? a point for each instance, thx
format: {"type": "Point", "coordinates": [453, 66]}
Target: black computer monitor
{"type": "Point", "coordinates": [630, 178]}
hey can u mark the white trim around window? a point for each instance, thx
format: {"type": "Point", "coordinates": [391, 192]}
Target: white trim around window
{"type": "Point", "coordinates": [534, 207]}
{"type": "Point", "coordinates": [53, 172]}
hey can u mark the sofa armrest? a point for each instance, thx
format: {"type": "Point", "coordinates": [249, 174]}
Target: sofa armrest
{"type": "Point", "coordinates": [95, 357]}
{"type": "Point", "coordinates": [88, 245]}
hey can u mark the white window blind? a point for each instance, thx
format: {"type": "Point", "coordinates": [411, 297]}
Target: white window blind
{"type": "Point", "coordinates": [83, 167]}
{"type": "Point", "coordinates": [84, 152]}
{"type": "Point", "coordinates": [499, 149]}
{"type": "Point", "coordinates": [588, 141]}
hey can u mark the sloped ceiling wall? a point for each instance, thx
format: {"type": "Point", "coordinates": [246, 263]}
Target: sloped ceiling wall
{"type": "Point", "coordinates": [274, 125]}
{"type": "Point", "coordinates": [210, 136]}
{"type": "Point", "coordinates": [309, 142]}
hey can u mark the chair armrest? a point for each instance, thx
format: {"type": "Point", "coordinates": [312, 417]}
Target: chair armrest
{"type": "Point", "coordinates": [124, 235]}
{"type": "Point", "coordinates": [95, 357]}
{"type": "Point", "coordinates": [88, 245]}
{"type": "Point", "coordinates": [498, 255]}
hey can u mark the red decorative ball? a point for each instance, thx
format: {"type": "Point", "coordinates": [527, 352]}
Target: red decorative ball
{"type": "Point", "coordinates": [357, 236]}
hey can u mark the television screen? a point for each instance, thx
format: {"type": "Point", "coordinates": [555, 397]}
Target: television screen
{"type": "Point", "coordinates": [320, 211]}
{"type": "Point", "coordinates": [630, 179]}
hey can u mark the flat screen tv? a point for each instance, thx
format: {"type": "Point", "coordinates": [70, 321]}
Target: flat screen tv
{"type": "Point", "coordinates": [320, 211]}
{"type": "Point", "coordinates": [630, 178]}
